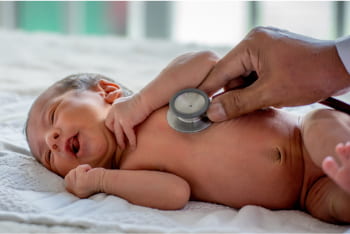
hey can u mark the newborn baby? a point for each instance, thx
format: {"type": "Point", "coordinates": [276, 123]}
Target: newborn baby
{"type": "Point", "coordinates": [78, 129]}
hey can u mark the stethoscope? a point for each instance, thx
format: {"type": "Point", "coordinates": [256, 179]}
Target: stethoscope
{"type": "Point", "coordinates": [187, 111]}
{"type": "Point", "coordinates": [188, 107]}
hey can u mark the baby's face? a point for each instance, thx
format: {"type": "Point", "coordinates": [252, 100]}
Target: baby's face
{"type": "Point", "coordinates": [66, 130]}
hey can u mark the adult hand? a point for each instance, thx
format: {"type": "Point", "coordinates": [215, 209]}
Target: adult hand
{"type": "Point", "coordinates": [289, 70]}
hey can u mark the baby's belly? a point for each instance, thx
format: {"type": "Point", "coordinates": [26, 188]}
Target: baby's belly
{"type": "Point", "coordinates": [246, 162]}
{"type": "Point", "coordinates": [274, 184]}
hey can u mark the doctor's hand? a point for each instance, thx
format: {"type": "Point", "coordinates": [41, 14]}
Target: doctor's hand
{"type": "Point", "coordinates": [125, 114]}
{"type": "Point", "coordinates": [273, 67]}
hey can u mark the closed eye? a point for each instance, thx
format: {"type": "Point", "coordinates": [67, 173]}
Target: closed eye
{"type": "Point", "coordinates": [52, 113]}
{"type": "Point", "coordinates": [48, 157]}
{"type": "Point", "coordinates": [52, 116]}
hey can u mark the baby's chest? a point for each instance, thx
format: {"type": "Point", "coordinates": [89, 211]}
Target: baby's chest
{"type": "Point", "coordinates": [151, 158]}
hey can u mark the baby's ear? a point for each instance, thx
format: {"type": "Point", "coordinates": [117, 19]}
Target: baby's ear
{"type": "Point", "coordinates": [109, 90]}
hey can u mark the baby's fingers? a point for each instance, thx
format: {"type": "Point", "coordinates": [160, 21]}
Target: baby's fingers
{"type": "Point", "coordinates": [130, 134]}
{"type": "Point", "coordinates": [71, 174]}
{"type": "Point", "coordinates": [69, 180]}
{"type": "Point", "coordinates": [109, 122]}
{"type": "Point", "coordinates": [83, 168]}
{"type": "Point", "coordinates": [119, 135]}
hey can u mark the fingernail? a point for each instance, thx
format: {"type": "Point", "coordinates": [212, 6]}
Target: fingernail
{"type": "Point", "coordinates": [216, 112]}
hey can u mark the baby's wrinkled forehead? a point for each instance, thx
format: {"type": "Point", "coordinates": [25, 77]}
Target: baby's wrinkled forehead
{"type": "Point", "coordinates": [42, 99]}
{"type": "Point", "coordinates": [35, 112]}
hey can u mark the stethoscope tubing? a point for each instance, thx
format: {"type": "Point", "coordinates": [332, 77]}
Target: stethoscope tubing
{"type": "Point", "coordinates": [336, 104]}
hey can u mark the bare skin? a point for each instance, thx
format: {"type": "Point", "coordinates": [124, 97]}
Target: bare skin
{"type": "Point", "coordinates": [268, 158]}
{"type": "Point", "coordinates": [329, 196]}
{"type": "Point", "coordinates": [227, 163]}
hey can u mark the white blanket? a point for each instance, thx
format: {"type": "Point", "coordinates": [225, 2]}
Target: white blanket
{"type": "Point", "coordinates": [32, 199]}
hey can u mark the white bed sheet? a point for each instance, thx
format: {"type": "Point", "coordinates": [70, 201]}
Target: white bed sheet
{"type": "Point", "coordinates": [32, 199]}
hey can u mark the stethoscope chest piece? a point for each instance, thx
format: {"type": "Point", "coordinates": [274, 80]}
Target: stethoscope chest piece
{"type": "Point", "coordinates": [187, 111]}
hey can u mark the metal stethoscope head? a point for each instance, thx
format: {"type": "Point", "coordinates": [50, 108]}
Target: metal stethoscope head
{"type": "Point", "coordinates": [188, 107]}
{"type": "Point", "coordinates": [187, 111]}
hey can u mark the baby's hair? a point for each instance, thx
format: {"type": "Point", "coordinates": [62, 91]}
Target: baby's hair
{"type": "Point", "coordinates": [85, 81]}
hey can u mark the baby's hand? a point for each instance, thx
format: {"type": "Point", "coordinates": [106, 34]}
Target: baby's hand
{"type": "Point", "coordinates": [125, 114]}
{"type": "Point", "coordinates": [83, 181]}
{"type": "Point", "coordinates": [339, 173]}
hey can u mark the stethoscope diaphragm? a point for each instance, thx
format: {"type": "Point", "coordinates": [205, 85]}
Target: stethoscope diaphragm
{"type": "Point", "coordinates": [187, 111]}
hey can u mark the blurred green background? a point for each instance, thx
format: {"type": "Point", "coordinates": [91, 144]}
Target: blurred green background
{"type": "Point", "coordinates": [98, 17]}
{"type": "Point", "coordinates": [214, 22]}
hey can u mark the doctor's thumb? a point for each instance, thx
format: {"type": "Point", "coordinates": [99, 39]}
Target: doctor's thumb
{"type": "Point", "coordinates": [232, 104]}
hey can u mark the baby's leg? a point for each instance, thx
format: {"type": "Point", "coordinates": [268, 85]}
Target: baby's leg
{"type": "Point", "coordinates": [322, 131]}
{"type": "Point", "coordinates": [339, 173]}
{"type": "Point", "coordinates": [327, 201]}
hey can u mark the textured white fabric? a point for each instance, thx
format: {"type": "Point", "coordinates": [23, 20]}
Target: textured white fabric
{"type": "Point", "coordinates": [343, 48]}
{"type": "Point", "coordinates": [31, 197]}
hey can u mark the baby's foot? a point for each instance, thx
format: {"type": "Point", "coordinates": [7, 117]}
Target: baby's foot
{"type": "Point", "coordinates": [339, 173]}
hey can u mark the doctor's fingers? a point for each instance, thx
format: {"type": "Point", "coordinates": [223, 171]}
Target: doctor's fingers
{"type": "Point", "coordinates": [234, 103]}
{"type": "Point", "coordinates": [241, 82]}
{"type": "Point", "coordinates": [238, 63]}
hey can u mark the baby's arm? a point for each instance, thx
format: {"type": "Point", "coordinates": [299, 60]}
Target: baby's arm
{"type": "Point", "coordinates": [154, 189]}
{"type": "Point", "coordinates": [324, 132]}
{"type": "Point", "coordinates": [185, 71]}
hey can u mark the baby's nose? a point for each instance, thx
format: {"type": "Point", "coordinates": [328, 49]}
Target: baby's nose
{"type": "Point", "coordinates": [54, 147]}
{"type": "Point", "coordinates": [53, 140]}
{"type": "Point", "coordinates": [55, 135]}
